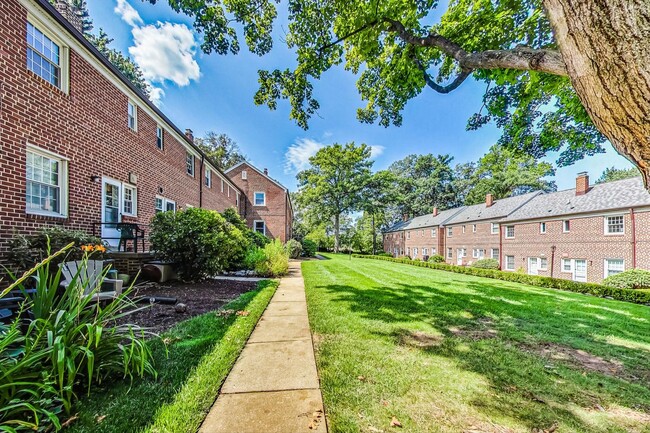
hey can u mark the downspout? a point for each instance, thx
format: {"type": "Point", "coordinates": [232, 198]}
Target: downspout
{"type": "Point", "coordinates": [201, 182]}
{"type": "Point", "coordinates": [633, 221]}
{"type": "Point", "coordinates": [552, 259]}
{"type": "Point", "coordinates": [500, 247]}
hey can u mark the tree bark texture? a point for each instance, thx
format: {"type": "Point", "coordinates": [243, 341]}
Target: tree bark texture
{"type": "Point", "coordinates": [605, 45]}
{"type": "Point", "coordinates": [337, 221]}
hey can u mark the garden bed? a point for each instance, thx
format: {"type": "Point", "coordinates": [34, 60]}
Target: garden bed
{"type": "Point", "coordinates": [198, 298]}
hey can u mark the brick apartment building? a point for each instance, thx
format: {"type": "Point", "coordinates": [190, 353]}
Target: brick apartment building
{"type": "Point", "coordinates": [266, 205]}
{"type": "Point", "coordinates": [79, 144]}
{"type": "Point", "coordinates": [584, 234]}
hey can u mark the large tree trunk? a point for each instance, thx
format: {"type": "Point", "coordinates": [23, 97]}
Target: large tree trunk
{"type": "Point", "coordinates": [374, 236]}
{"type": "Point", "coordinates": [336, 232]}
{"type": "Point", "coordinates": [605, 45]}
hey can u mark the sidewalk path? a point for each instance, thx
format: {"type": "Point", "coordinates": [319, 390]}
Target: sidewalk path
{"type": "Point", "coordinates": [273, 387]}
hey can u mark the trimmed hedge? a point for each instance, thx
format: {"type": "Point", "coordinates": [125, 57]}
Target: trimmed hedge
{"type": "Point", "coordinates": [628, 295]}
{"type": "Point", "coordinates": [630, 279]}
{"type": "Point", "coordinates": [486, 264]}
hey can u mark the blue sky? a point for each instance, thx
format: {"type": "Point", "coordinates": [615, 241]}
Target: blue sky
{"type": "Point", "coordinates": [215, 93]}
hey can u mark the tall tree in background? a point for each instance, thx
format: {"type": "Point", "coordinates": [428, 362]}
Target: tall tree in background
{"type": "Point", "coordinates": [334, 184]}
{"type": "Point", "coordinates": [610, 174]}
{"type": "Point", "coordinates": [464, 178]}
{"type": "Point", "coordinates": [379, 194]}
{"type": "Point", "coordinates": [422, 182]}
{"type": "Point", "coordinates": [505, 172]}
{"type": "Point", "coordinates": [585, 62]}
{"type": "Point", "coordinates": [221, 149]}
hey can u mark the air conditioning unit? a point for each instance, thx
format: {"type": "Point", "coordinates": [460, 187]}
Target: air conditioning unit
{"type": "Point", "coordinates": [158, 271]}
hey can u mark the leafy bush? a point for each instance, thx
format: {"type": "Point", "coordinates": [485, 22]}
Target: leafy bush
{"type": "Point", "coordinates": [276, 260]}
{"type": "Point", "coordinates": [254, 256]}
{"type": "Point", "coordinates": [629, 295]}
{"type": "Point", "coordinates": [252, 237]}
{"type": "Point", "coordinates": [294, 248]}
{"type": "Point", "coordinates": [199, 242]}
{"type": "Point", "coordinates": [384, 254]}
{"type": "Point", "coordinates": [437, 258]}
{"type": "Point", "coordinates": [486, 264]}
{"type": "Point", "coordinates": [309, 248]}
{"type": "Point", "coordinates": [67, 342]}
{"type": "Point", "coordinates": [25, 251]}
{"type": "Point", "coordinates": [630, 279]}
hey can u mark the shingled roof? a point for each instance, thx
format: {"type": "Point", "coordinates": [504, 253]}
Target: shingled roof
{"type": "Point", "coordinates": [498, 210]}
{"type": "Point", "coordinates": [621, 194]}
{"type": "Point", "coordinates": [425, 220]}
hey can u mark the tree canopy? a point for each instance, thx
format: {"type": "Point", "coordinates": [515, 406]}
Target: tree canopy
{"type": "Point", "coordinates": [221, 149]}
{"type": "Point", "coordinates": [612, 173]}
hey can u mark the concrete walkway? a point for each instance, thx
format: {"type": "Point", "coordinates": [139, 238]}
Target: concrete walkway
{"type": "Point", "coordinates": [274, 386]}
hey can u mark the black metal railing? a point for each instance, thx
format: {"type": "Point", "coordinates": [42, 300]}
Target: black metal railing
{"type": "Point", "coordinates": [126, 232]}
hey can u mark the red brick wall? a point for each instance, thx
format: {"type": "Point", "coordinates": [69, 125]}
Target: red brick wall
{"type": "Point", "coordinates": [394, 241]}
{"type": "Point", "coordinates": [470, 240]}
{"type": "Point", "coordinates": [89, 127]}
{"type": "Point", "coordinates": [421, 238]}
{"type": "Point", "coordinates": [276, 213]}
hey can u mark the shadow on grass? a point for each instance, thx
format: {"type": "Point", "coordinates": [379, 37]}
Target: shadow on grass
{"type": "Point", "coordinates": [488, 328]}
{"type": "Point", "coordinates": [130, 407]}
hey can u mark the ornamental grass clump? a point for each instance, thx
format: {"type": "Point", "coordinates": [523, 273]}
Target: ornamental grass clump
{"type": "Point", "coordinates": [61, 343]}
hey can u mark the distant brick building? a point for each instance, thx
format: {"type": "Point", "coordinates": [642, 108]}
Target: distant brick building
{"type": "Point", "coordinates": [266, 205]}
{"type": "Point", "coordinates": [584, 234]}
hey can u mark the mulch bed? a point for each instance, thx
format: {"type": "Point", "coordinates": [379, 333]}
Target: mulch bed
{"type": "Point", "coordinates": [199, 298]}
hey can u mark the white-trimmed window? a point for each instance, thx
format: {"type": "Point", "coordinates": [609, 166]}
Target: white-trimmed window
{"type": "Point", "coordinates": [433, 233]}
{"type": "Point", "coordinates": [228, 190]}
{"type": "Point", "coordinates": [425, 252]}
{"type": "Point", "coordinates": [614, 225]}
{"type": "Point", "coordinates": [566, 226]}
{"type": "Point", "coordinates": [47, 183]}
{"type": "Point", "coordinates": [237, 200]}
{"type": "Point", "coordinates": [613, 267]}
{"type": "Point", "coordinates": [450, 253]}
{"type": "Point", "coordinates": [510, 263]}
{"type": "Point", "coordinates": [463, 229]}
{"type": "Point", "coordinates": [189, 163]}
{"type": "Point", "coordinates": [566, 265]}
{"type": "Point", "coordinates": [494, 253]}
{"type": "Point", "coordinates": [160, 137]}
{"type": "Point", "coordinates": [259, 226]}
{"type": "Point", "coordinates": [473, 228]}
{"type": "Point", "coordinates": [433, 250]}
{"type": "Point", "coordinates": [408, 251]}
{"type": "Point", "coordinates": [494, 228]}
{"type": "Point", "coordinates": [208, 177]}
{"type": "Point", "coordinates": [47, 57]}
{"type": "Point", "coordinates": [163, 204]}
{"type": "Point", "coordinates": [244, 174]}
{"type": "Point", "coordinates": [543, 263]}
{"type": "Point", "coordinates": [450, 231]}
{"type": "Point", "coordinates": [130, 201]}
{"type": "Point", "coordinates": [408, 235]}
{"type": "Point", "coordinates": [260, 198]}
{"type": "Point", "coordinates": [478, 253]}
{"type": "Point", "coordinates": [415, 252]}
{"type": "Point", "coordinates": [421, 233]}
{"type": "Point", "coordinates": [132, 115]}
{"type": "Point", "coordinates": [542, 228]}
{"type": "Point", "coordinates": [510, 232]}
{"type": "Point", "coordinates": [221, 185]}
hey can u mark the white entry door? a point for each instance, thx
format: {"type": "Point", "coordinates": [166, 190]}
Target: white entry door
{"type": "Point", "coordinates": [533, 265]}
{"type": "Point", "coordinates": [460, 253]}
{"type": "Point", "coordinates": [580, 270]}
{"type": "Point", "coordinates": [111, 210]}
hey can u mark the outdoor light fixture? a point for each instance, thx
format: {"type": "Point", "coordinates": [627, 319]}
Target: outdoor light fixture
{"type": "Point", "coordinates": [95, 178]}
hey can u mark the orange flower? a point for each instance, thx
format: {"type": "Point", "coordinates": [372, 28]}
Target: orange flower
{"type": "Point", "coordinates": [87, 248]}
{"type": "Point", "coordinates": [100, 248]}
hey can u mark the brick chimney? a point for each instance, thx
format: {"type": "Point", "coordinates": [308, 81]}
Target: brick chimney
{"type": "Point", "coordinates": [189, 134]}
{"type": "Point", "coordinates": [69, 12]}
{"type": "Point", "coordinates": [582, 183]}
{"type": "Point", "coordinates": [435, 211]}
{"type": "Point", "coordinates": [489, 201]}
{"type": "Point", "coordinates": [266, 171]}
{"type": "Point", "coordinates": [405, 217]}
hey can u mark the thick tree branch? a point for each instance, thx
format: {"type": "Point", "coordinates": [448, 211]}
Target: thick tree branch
{"type": "Point", "coordinates": [520, 58]}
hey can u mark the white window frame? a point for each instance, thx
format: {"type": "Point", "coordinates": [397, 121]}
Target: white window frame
{"type": "Point", "coordinates": [415, 251]}
{"type": "Point", "coordinates": [494, 228]}
{"type": "Point", "coordinates": [507, 236]}
{"type": "Point", "coordinates": [63, 182]}
{"type": "Point", "coordinates": [450, 253]}
{"type": "Point", "coordinates": [606, 267]}
{"type": "Point", "coordinates": [543, 264]}
{"type": "Point", "coordinates": [514, 264]}
{"type": "Point", "coordinates": [255, 198]}
{"type": "Point", "coordinates": [190, 163]}
{"type": "Point", "coordinates": [563, 263]}
{"type": "Point", "coordinates": [134, 200]}
{"type": "Point", "coordinates": [607, 225]}
{"type": "Point", "coordinates": [160, 137]}
{"type": "Point", "coordinates": [132, 118]}
{"type": "Point", "coordinates": [566, 226]}
{"type": "Point", "coordinates": [542, 228]}
{"type": "Point", "coordinates": [208, 177]}
{"type": "Point", "coordinates": [167, 203]}
{"type": "Point", "coordinates": [433, 233]}
{"type": "Point", "coordinates": [450, 232]}
{"type": "Point", "coordinates": [463, 228]}
{"type": "Point", "coordinates": [408, 235]}
{"type": "Point", "coordinates": [244, 175]}
{"type": "Point", "coordinates": [425, 252]}
{"type": "Point", "coordinates": [64, 54]}
{"type": "Point", "coordinates": [494, 256]}
{"type": "Point", "coordinates": [473, 228]}
{"type": "Point", "coordinates": [222, 185]}
{"type": "Point", "coordinates": [164, 202]}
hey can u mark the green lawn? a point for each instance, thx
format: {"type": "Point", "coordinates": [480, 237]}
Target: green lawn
{"type": "Point", "coordinates": [445, 352]}
{"type": "Point", "coordinates": [199, 355]}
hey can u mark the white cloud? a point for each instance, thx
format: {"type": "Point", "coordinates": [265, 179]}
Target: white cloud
{"type": "Point", "coordinates": [165, 52]}
{"type": "Point", "coordinates": [128, 13]}
{"type": "Point", "coordinates": [375, 151]}
{"type": "Point", "coordinates": [298, 154]}
{"type": "Point", "coordinates": [156, 94]}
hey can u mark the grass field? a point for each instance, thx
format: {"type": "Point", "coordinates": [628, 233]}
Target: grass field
{"type": "Point", "coordinates": [444, 352]}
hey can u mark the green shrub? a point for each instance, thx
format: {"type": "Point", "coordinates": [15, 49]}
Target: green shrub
{"type": "Point", "coordinates": [309, 248]}
{"type": "Point", "coordinates": [276, 260]}
{"type": "Point", "coordinates": [69, 343]}
{"type": "Point", "coordinates": [254, 256]}
{"type": "Point", "coordinates": [252, 237]}
{"type": "Point", "coordinates": [25, 251]}
{"type": "Point", "coordinates": [628, 295]}
{"type": "Point", "coordinates": [437, 258]}
{"type": "Point", "coordinates": [486, 264]}
{"type": "Point", "coordinates": [630, 279]}
{"type": "Point", "coordinates": [294, 248]}
{"type": "Point", "coordinates": [199, 242]}
{"type": "Point", "coordinates": [384, 254]}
